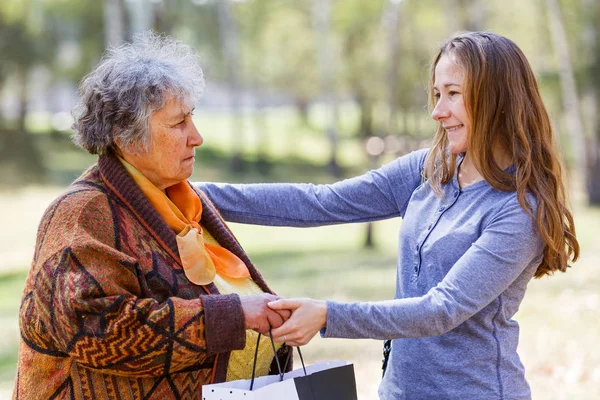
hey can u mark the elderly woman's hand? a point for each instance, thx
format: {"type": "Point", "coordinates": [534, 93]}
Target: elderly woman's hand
{"type": "Point", "coordinates": [308, 317]}
{"type": "Point", "coordinates": [259, 317]}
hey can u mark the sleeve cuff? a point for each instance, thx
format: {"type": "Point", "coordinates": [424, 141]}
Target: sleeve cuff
{"type": "Point", "coordinates": [331, 317]}
{"type": "Point", "coordinates": [224, 328]}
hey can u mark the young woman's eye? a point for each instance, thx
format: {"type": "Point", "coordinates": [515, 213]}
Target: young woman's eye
{"type": "Point", "coordinates": [436, 96]}
{"type": "Point", "coordinates": [452, 93]}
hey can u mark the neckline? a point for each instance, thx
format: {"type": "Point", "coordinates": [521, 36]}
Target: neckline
{"type": "Point", "coordinates": [468, 187]}
{"type": "Point", "coordinates": [510, 170]}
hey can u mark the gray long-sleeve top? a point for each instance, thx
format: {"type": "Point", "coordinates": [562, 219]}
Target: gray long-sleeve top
{"type": "Point", "coordinates": [464, 261]}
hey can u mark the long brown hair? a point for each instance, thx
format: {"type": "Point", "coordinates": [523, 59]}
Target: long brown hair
{"type": "Point", "coordinates": [505, 107]}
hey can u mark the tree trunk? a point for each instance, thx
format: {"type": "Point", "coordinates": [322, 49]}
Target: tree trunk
{"type": "Point", "coordinates": [366, 131]}
{"type": "Point", "coordinates": [391, 22]}
{"type": "Point", "coordinates": [23, 78]}
{"type": "Point", "coordinates": [474, 15]}
{"type": "Point", "coordinates": [593, 180]}
{"type": "Point", "coordinates": [570, 98]}
{"type": "Point", "coordinates": [369, 242]}
{"type": "Point", "coordinates": [470, 15]}
{"type": "Point", "coordinates": [301, 104]}
{"type": "Point", "coordinates": [231, 55]}
{"type": "Point", "coordinates": [365, 105]}
{"type": "Point", "coordinates": [322, 23]}
{"type": "Point", "coordinates": [20, 160]}
{"type": "Point", "coordinates": [260, 122]}
{"type": "Point", "coordinates": [141, 15]}
{"type": "Point", "coordinates": [113, 23]}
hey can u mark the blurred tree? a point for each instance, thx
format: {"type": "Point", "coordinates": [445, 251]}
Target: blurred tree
{"type": "Point", "coordinates": [114, 30]}
{"type": "Point", "coordinates": [327, 63]}
{"type": "Point", "coordinates": [574, 126]}
{"type": "Point", "coordinates": [213, 26]}
{"type": "Point", "coordinates": [593, 181]}
{"type": "Point", "coordinates": [254, 16]}
{"type": "Point", "coordinates": [363, 60]}
{"type": "Point", "coordinates": [79, 25]}
{"type": "Point", "coordinates": [228, 36]}
{"type": "Point", "coordinates": [25, 42]}
{"type": "Point", "coordinates": [141, 14]}
{"type": "Point", "coordinates": [466, 15]}
{"type": "Point", "coordinates": [391, 24]}
{"type": "Point", "coordinates": [290, 56]}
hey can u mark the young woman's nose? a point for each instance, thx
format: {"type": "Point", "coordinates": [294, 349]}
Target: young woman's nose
{"type": "Point", "coordinates": [440, 111]}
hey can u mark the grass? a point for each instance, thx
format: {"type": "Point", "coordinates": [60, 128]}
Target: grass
{"type": "Point", "coordinates": [559, 318]}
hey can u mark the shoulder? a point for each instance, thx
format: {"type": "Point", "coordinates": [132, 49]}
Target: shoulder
{"type": "Point", "coordinates": [411, 163]}
{"type": "Point", "coordinates": [506, 208]}
{"type": "Point", "coordinates": [407, 170]}
{"type": "Point", "coordinates": [76, 218]}
{"type": "Point", "coordinates": [80, 207]}
{"type": "Point", "coordinates": [79, 199]}
{"type": "Point", "coordinates": [415, 159]}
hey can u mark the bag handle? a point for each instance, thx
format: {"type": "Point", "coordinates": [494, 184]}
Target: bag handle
{"type": "Point", "coordinates": [287, 360]}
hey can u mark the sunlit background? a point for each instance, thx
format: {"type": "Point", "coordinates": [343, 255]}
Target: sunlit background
{"type": "Point", "coordinates": [309, 90]}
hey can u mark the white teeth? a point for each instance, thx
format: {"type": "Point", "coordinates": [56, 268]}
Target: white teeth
{"type": "Point", "coordinates": [453, 128]}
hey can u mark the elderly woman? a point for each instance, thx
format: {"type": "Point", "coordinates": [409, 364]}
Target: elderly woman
{"type": "Point", "coordinates": [138, 289]}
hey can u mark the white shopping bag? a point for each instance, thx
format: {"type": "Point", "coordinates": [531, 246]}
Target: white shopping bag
{"type": "Point", "coordinates": [326, 380]}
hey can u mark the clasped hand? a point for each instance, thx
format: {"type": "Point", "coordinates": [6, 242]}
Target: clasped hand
{"type": "Point", "coordinates": [293, 321]}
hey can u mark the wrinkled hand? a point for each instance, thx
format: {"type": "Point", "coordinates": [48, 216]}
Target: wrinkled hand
{"type": "Point", "coordinates": [258, 316]}
{"type": "Point", "coordinates": [308, 317]}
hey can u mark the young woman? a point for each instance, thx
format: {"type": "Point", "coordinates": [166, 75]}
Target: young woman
{"type": "Point", "coordinates": [484, 211]}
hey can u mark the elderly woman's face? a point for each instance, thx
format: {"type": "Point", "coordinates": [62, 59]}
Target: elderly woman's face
{"type": "Point", "coordinates": [174, 139]}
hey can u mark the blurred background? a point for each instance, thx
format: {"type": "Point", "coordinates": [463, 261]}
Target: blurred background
{"type": "Point", "coordinates": [309, 90]}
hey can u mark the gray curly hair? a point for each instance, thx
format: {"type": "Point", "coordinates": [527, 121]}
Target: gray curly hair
{"type": "Point", "coordinates": [132, 81]}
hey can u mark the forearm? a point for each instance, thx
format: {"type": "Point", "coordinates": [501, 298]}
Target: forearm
{"type": "Point", "coordinates": [402, 318]}
{"type": "Point", "coordinates": [301, 205]}
{"type": "Point", "coordinates": [378, 194]}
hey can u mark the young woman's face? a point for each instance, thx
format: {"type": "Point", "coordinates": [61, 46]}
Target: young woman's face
{"type": "Point", "coordinates": [450, 109]}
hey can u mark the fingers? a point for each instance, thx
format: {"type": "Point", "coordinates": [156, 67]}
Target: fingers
{"type": "Point", "coordinates": [284, 314]}
{"type": "Point", "coordinates": [258, 316]}
{"type": "Point", "coordinates": [292, 335]}
{"type": "Point", "coordinates": [308, 317]}
{"type": "Point", "coordinates": [284, 334]}
{"type": "Point", "coordinates": [284, 304]}
{"type": "Point", "coordinates": [274, 319]}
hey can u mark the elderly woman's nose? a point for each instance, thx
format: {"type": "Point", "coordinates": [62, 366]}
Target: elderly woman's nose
{"type": "Point", "coordinates": [194, 137]}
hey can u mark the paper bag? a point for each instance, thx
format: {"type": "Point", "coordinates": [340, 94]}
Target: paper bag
{"type": "Point", "coordinates": [324, 380]}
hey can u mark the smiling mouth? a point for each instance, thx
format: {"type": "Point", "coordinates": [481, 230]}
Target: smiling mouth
{"type": "Point", "coordinates": [453, 128]}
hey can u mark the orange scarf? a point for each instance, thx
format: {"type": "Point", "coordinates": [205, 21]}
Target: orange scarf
{"type": "Point", "coordinates": [181, 208]}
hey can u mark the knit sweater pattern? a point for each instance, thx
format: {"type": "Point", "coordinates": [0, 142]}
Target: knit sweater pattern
{"type": "Point", "coordinates": [107, 311]}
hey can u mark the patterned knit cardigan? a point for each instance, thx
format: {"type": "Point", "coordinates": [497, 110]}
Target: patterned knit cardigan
{"type": "Point", "coordinates": [107, 311]}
